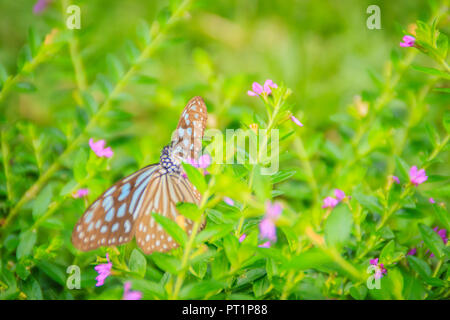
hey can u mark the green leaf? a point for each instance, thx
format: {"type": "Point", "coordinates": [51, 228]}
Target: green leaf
{"type": "Point", "coordinates": [68, 187]}
{"type": "Point", "coordinates": [445, 90]}
{"type": "Point", "coordinates": [359, 292]}
{"type": "Point", "coordinates": [282, 175]}
{"type": "Point", "coordinates": [201, 289]}
{"type": "Point", "coordinates": [172, 228]}
{"type": "Point", "coordinates": [143, 33]}
{"type": "Point", "coordinates": [403, 168]}
{"type": "Point", "coordinates": [166, 262]}
{"type": "Point", "coordinates": [195, 177]}
{"type": "Point", "coordinates": [387, 254]}
{"type": "Point", "coordinates": [230, 244]}
{"type": "Point", "coordinates": [115, 67]}
{"type": "Point", "coordinates": [137, 262]}
{"type": "Point", "coordinates": [42, 201]}
{"type": "Point", "coordinates": [261, 184]}
{"type": "Point", "coordinates": [442, 215]}
{"type": "Point", "coordinates": [214, 232]}
{"type": "Point", "coordinates": [24, 56]}
{"type": "Point", "coordinates": [446, 121]}
{"type": "Point", "coordinates": [433, 135]}
{"type": "Point", "coordinates": [432, 71]}
{"type": "Point", "coordinates": [131, 51]}
{"type": "Point", "coordinates": [420, 266]}
{"type": "Point", "coordinates": [26, 244]}
{"type": "Point", "coordinates": [89, 102]}
{"type": "Point", "coordinates": [34, 41]}
{"type": "Point", "coordinates": [189, 210]}
{"type": "Point", "coordinates": [338, 226]}
{"type": "Point", "coordinates": [53, 271]}
{"type": "Point", "coordinates": [3, 74]}
{"type": "Point", "coordinates": [432, 240]}
{"type": "Point", "coordinates": [369, 202]}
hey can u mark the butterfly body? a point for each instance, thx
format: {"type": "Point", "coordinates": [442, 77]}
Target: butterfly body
{"type": "Point", "coordinates": [125, 209]}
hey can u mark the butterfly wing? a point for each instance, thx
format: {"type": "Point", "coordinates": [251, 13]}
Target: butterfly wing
{"type": "Point", "coordinates": [164, 191]}
{"type": "Point", "coordinates": [110, 220]}
{"type": "Point", "coordinates": [187, 139]}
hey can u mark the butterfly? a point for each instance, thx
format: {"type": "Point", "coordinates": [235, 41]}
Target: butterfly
{"type": "Point", "coordinates": [125, 209]}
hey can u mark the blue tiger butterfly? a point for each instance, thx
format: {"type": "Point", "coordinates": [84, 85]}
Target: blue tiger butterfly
{"type": "Point", "coordinates": [125, 209]}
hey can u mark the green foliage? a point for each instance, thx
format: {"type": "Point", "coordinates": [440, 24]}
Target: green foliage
{"type": "Point", "coordinates": [370, 111]}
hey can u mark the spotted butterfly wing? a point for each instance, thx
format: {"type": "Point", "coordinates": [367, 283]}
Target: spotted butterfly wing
{"type": "Point", "coordinates": [124, 210]}
{"type": "Point", "coordinates": [186, 141]}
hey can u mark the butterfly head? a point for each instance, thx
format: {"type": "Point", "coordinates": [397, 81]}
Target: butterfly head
{"type": "Point", "coordinates": [167, 162]}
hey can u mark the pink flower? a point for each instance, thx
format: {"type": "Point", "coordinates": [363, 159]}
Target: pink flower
{"type": "Point", "coordinates": [269, 84]}
{"type": "Point", "coordinates": [242, 238]}
{"type": "Point", "coordinates": [130, 295]}
{"type": "Point", "coordinates": [396, 179]}
{"type": "Point", "coordinates": [260, 90]}
{"type": "Point", "coordinates": [228, 201]}
{"type": "Point", "coordinates": [99, 148]}
{"type": "Point", "coordinates": [408, 41]}
{"type": "Point", "coordinates": [203, 162]}
{"type": "Point", "coordinates": [267, 229]}
{"type": "Point", "coordinates": [330, 202]}
{"type": "Point", "coordinates": [104, 270]}
{"type": "Point", "coordinates": [296, 121]}
{"type": "Point", "coordinates": [40, 6]}
{"type": "Point", "coordinates": [265, 245]}
{"type": "Point", "coordinates": [81, 193]}
{"type": "Point", "coordinates": [339, 194]}
{"type": "Point", "coordinates": [417, 177]}
{"type": "Point", "coordinates": [412, 252]}
{"type": "Point", "coordinates": [431, 200]}
{"type": "Point", "coordinates": [380, 270]}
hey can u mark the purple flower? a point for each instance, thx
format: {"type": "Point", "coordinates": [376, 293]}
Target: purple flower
{"type": "Point", "coordinates": [412, 252]}
{"type": "Point", "coordinates": [431, 200]}
{"type": "Point", "coordinates": [99, 148]}
{"type": "Point", "coordinates": [380, 269]}
{"type": "Point", "coordinates": [40, 6]}
{"type": "Point", "coordinates": [330, 202]}
{"type": "Point", "coordinates": [81, 193]}
{"type": "Point", "coordinates": [130, 295]}
{"type": "Point", "coordinates": [104, 270]}
{"type": "Point", "coordinates": [296, 121]}
{"type": "Point", "coordinates": [396, 179]}
{"type": "Point", "coordinates": [228, 201]}
{"type": "Point", "coordinates": [265, 245]}
{"type": "Point", "coordinates": [242, 238]}
{"type": "Point", "coordinates": [203, 162]}
{"type": "Point", "coordinates": [408, 41]}
{"type": "Point", "coordinates": [417, 176]}
{"type": "Point", "coordinates": [262, 90]}
{"type": "Point", "coordinates": [267, 229]}
{"type": "Point", "coordinates": [339, 194]}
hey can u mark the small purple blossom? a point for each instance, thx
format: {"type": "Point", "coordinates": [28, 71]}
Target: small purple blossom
{"type": "Point", "coordinates": [81, 193]}
{"type": "Point", "coordinates": [296, 121]}
{"type": "Point", "coordinates": [262, 90]}
{"type": "Point", "coordinates": [330, 202]}
{"type": "Point", "coordinates": [266, 244]}
{"type": "Point", "coordinates": [203, 162]}
{"type": "Point", "coordinates": [396, 179]}
{"type": "Point", "coordinates": [242, 238]}
{"type": "Point", "coordinates": [40, 6]}
{"type": "Point", "coordinates": [431, 200]}
{"type": "Point", "coordinates": [130, 295]}
{"type": "Point", "coordinates": [228, 201]}
{"type": "Point", "coordinates": [380, 269]}
{"type": "Point", "coordinates": [104, 270]}
{"type": "Point", "coordinates": [99, 148]}
{"type": "Point", "coordinates": [412, 252]}
{"type": "Point", "coordinates": [339, 194]}
{"type": "Point", "coordinates": [417, 176]}
{"type": "Point", "coordinates": [441, 233]}
{"type": "Point", "coordinates": [408, 41]}
{"type": "Point", "coordinates": [267, 228]}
